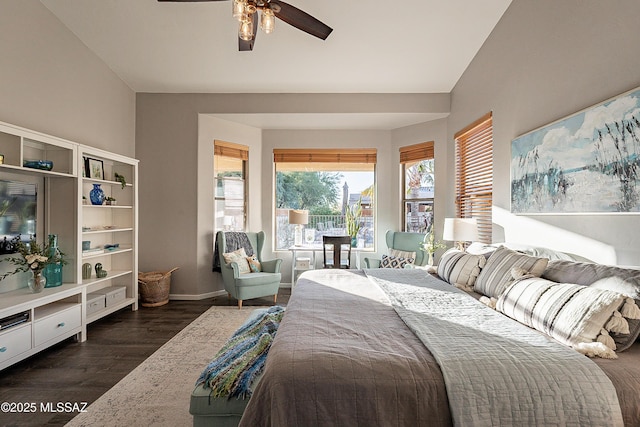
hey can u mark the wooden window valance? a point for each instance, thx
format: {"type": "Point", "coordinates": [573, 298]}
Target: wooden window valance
{"type": "Point", "coordinates": [416, 152]}
{"type": "Point", "coordinates": [230, 149]}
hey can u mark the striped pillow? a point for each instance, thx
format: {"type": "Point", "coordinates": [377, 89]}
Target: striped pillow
{"type": "Point", "coordinates": [575, 315]}
{"type": "Point", "coordinates": [496, 275]}
{"type": "Point", "coordinates": [460, 268]}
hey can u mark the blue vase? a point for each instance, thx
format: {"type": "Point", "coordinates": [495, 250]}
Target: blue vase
{"type": "Point", "coordinates": [96, 195]}
{"type": "Point", "coordinates": [53, 272]}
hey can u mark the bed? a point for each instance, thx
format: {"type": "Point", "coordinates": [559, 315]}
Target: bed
{"type": "Point", "coordinates": [344, 355]}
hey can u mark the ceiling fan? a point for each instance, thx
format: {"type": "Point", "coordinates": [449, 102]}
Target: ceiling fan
{"type": "Point", "coordinates": [246, 12]}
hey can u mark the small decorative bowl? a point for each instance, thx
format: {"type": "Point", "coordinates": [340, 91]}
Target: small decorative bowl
{"type": "Point", "coordinates": [45, 165]}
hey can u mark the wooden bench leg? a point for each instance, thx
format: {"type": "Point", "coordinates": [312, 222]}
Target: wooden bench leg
{"type": "Point", "coordinates": [239, 303]}
{"type": "Point", "coordinates": [275, 297]}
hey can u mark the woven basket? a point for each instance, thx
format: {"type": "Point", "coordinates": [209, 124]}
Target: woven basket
{"type": "Point", "coordinates": [154, 287]}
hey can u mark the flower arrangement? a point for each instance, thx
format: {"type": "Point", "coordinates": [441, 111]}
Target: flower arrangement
{"type": "Point", "coordinates": [33, 257]}
{"type": "Point", "coordinates": [430, 245]}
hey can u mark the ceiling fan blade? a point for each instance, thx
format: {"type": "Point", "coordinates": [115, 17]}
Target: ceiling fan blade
{"type": "Point", "coordinates": [299, 19]}
{"type": "Point", "coordinates": [247, 45]}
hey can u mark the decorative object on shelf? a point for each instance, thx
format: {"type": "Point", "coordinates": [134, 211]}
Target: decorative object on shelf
{"type": "Point", "coordinates": [84, 200]}
{"type": "Point", "coordinates": [94, 168]}
{"type": "Point", "coordinates": [53, 271]}
{"type": "Point", "coordinates": [111, 247]}
{"type": "Point", "coordinates": [86, 271]}
{"type": "Point", "coordinates": [460, 230]}
{"type": "Point", "coordinates": [45, 165]}
{"type": "Point", "coordinates": [352, 216]}
{"type": "Point", "coordinates": [121, 179]}
{"type": "Point", "coordinates": [86, 245]}
{"type": "Point", "coordinates": [154, 287]}
{"type": "Point", "coordinates": [299, 218]}
{"type": "Point", "coordinates": [33, 258]}
{"type": "Point", "coordinates": [110, 201]}
{"type": "Point", "coordinates": [100, 273]}
{"type": "Point", "coordinates": [430, 245]}
{"type": "Point", "coordinates": [96, 195]}
{"type": "Point", "coordinates": [36, 282]}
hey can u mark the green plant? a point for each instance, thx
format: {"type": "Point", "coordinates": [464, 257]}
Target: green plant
{"type": "Point", "coordinates": [109, 199]}
{"type": "Point", "coordinates": [32, 257]}
{"type": "Point", "coordinates": [121, 179]}
{"type": "Point", "coordinates": [430, 245]}
{"type": "Point", "coordinates": [352, 218]}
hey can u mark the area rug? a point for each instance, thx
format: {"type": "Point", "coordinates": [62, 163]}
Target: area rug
{"type": "Point", "coordinates": [157, 391]}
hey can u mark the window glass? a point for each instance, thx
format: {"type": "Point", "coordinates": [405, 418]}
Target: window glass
{"type": "Point", "coordinates": [339, 198]}
{"type": "Point", "coordinates": [230, 193]}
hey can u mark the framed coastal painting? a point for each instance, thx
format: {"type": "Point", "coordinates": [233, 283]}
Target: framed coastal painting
{"type": "Point", "coordinates": [588, 162]}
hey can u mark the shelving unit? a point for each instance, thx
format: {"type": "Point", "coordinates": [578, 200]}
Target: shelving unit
{"type": "Point", "coordinates": [61, 312]}
{"type": "Point", "coordinates": [110, 225]}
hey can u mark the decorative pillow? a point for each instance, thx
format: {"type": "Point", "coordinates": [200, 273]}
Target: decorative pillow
{"type": "Point", "coordinates": [496, 276]}
{"type": "Point", "coordinates": [460, 268]}
{"type": "Point", "coordinates": [240, 257]}
{"type": "Point", "coordinates": [254, 264]}
{"type": "Point", "coordinates": [394, 262]}
{"type": "Point", "coordinates": [617, 284]}
{"type": "Point", "coordinates": [402, 254]}
{"type": "Point", "coordinates": [576, 315]}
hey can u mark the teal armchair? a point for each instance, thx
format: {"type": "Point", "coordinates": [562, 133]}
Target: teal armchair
{"type": "Point", "coordinates": [402, 241]}
{"type": "Point", "coordinates": [249, 285]}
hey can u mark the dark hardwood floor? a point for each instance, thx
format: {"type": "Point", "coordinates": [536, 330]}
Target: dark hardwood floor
{"type": "Point", "coordinates": [81, 372]}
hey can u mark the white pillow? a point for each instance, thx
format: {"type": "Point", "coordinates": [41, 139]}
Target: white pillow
{"type": "Point", "coordinates": [579, 316]}
{"type": "Point", "coordinates": [240, 257]}
{"type": "Point", "coordinates": [496, 275]}
{"type": "Point", "coordinates": [460, 268]}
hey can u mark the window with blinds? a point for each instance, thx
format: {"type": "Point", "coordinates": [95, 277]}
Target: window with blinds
{"type": "Point", "coordinates": [334, 186]}
{"type": "Point", "coordinates": [474, 174]}
{"type": "Point", "coordinates": [418, 183]}
{"type": "Point", "coordinates": [230, 185]}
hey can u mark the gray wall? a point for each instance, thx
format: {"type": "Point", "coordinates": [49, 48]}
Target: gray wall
{"type": "Point", "coordinates": [544, 60]}
{"type": "Point", "coordinates": [174, 137]}
{"type": "Point", "coordinates": [50, 82]}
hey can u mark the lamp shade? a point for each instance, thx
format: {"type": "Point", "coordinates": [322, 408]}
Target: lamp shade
{"type": "Point", "coordinates": [460, 229]}
{"type": "Point", "coordinates": [298, 216]}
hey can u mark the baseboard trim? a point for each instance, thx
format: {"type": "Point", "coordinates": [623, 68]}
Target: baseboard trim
{"type": "Point", "coordinates": [196, 297]}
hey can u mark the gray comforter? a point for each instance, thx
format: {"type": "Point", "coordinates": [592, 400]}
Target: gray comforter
{"type": "Point", "coordinates": [497, 371]}
{"type": "Point", "coordinates": [342, 356]}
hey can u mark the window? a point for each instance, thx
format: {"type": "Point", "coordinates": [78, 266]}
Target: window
{"type": "Point", "coordinates": [230, 184]}
{"type": "Point", "coordinates": [474, 174]}
{"type": "Point", "coordinates": [418, 186]}
{"type": "Point", "coordinates": [335, 186]}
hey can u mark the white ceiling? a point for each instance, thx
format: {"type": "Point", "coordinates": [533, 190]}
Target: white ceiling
{"type": "Point", "coordinates": [414, 46]}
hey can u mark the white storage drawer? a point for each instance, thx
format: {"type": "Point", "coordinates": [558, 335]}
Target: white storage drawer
{"type": "Point", "coordinates": [112, 294]}
{"type": "Point", "coordinates": [95, 303]}
{"type": "Point", "coordinates": [15, 341]}
{"type": "Point", "coordinates": [57, 324]}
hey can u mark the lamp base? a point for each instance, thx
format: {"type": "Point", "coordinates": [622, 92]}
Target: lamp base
{"type": "Point", "coordinates": [297, 239]}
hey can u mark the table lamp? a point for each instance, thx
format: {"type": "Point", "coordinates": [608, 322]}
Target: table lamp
{"type": "Point", "coordinates": [460, 230]}
{"type": "Point", "coordinates": [299, 218]}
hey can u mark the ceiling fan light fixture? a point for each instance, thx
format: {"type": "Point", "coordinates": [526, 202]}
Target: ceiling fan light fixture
{"type": "Point", "coordinates": [267, 20]}
{"type": "Point", "coordinates": [246, 28]}
{"type": "Point", "coordinates": [239, 9]}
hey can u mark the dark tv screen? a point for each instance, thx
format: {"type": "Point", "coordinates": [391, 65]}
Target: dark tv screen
{"type": "Point", "coordinates": [18, 212]}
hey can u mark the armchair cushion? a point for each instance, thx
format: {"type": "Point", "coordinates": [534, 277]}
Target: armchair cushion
{"type": "Point", "coordinates": [394, 262]}
{"type": "Point", "coordinates": [239, 257]}
{"type": "Point", "coordinates": [254, 264]}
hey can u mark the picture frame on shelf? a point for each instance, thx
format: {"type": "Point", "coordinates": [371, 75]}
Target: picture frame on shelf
{"type": "Point", "coordinates": [94, 168]}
